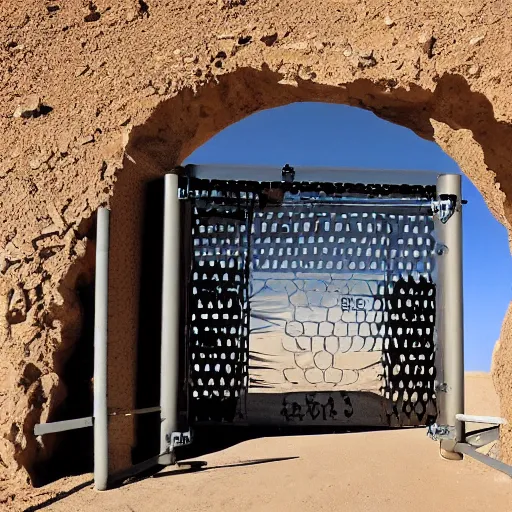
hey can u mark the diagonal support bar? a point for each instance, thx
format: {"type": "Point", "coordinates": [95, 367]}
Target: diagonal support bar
{"type": "Point", "coordinates": [466, 449]}
{"type": "Point", "coordinates": [480, 438]}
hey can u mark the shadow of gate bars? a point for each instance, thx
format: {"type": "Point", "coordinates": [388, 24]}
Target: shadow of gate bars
{"type": "Point", "coordinates": [300, 297]}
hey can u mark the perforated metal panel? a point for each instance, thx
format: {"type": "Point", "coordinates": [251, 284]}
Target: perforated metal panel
{"type": "Point", "coordinates": [219, 305]}
{"type": "Point", "coordinates": [331, 279]}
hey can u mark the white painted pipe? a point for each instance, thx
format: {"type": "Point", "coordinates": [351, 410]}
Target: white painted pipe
{"type": "Point", "coordinates": [100, 352]}
{"type": "Point", "coordinates": [170, 318]}
{"type": "Point", "coordinates": [491, 420]}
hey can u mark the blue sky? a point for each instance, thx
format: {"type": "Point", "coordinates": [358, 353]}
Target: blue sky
{"type": "Point", "coordinates": [319, 134]}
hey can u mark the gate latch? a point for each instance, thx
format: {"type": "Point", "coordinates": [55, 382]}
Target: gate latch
{"type": "Point", "coordinates": [440, 432]}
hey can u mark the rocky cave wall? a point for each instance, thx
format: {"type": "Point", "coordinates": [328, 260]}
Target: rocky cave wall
{"type": "Point", "coordinates": [99, 97]}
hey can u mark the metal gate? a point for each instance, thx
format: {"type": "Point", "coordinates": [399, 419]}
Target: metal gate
{"type": "Point", "coordinates": [311, 303]}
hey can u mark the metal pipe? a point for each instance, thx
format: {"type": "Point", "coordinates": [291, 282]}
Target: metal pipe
{"type": "Point", "coordinates": [383, 202]}
{"type": "Point", "coordinates": [449, 321]}
{"type": "Point", "coordinates": [100, 412]}
{"type": "Point", "coordinates": [170, 319]}
{"type": "Point", "coordinates": [489, 420]}
{"type": "Point", "coordinates": [484, 459]}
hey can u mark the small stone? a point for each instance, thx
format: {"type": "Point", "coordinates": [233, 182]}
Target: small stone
{"type": "Point", "coordinates": [305, 73]}
{"type": "Point", "coordinates": [18, 307]}
{"type": "Point", "coordinates": [226, 36]}
{"type": "Point", "coordinates": [311, 36]}
{"type": "Point", "coordinates": [191, 59]}
{"type": "Point", "coordinates": [474, 70]}
{"type": "Point", "coordinates": [389, 22]}
{"type": "Point", "coordinates": [35, 163]}
{"type": "Point", "coordinates": [81, 71]}
{"type": "Point", "coordinates": [131, 15]}
{"type": "Point", "coordinates": [177, 51]}
{"type": "Point", "coordinates": [475, 40]}
{"type": "Point", "coordinates": [148, 91]}
{"type": "Point", "coordinates": [288, 81]}
{"type": "Point", "coordinates": [88, 139]}
{"type": "Point", "coordinates": [427, 42]}
{"type": "Point", "coordinates": [318, 46]}
{"type": "Point", "coordinates": [423, 37]}
{"type": "Point", "coordinates": [30, 107]}
{"type": "Point", "coordinates": [366, 60]}
{"type": "Point", "coordinates": [347, 51]}
{"type": "Point", "coordinates": [56, 217]}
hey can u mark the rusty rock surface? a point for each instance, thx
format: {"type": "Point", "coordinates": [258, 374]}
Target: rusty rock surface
{"type": "Point", "coordinates": [99, 97]}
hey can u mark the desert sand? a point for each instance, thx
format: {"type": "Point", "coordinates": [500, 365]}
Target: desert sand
{"type": "Point", "coordinates": [388, 471]}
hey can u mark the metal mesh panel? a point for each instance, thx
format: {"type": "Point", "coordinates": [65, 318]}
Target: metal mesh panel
{"type": "Point", "coordinates": [218, 302]}
{"type": "Point", "coordinates": [331, 279]}
{"type": "Point", "coordinates": [409, 356]}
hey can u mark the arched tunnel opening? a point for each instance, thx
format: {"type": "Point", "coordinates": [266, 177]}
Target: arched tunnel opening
{"type": "Point", "coordinates": [177, 128]}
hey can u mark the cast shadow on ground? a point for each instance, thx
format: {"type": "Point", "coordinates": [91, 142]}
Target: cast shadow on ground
{"type": "Point", "coordinates": [199, 466]}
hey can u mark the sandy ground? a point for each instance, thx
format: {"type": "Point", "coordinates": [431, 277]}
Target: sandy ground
{"type": "Point", "coordinates": [388, 471]}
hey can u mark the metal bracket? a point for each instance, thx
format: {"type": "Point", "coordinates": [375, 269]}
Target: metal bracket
{"type": "Point", "coordinates": [288, 174]}
{"type": "Point", "coordinates": [441, 432]}
{"type": "Point", "coordinates": [441, 387]}
{"type": "Point", "coordinates": [445, 206]}
{"type": "Point", "coordinates": [177, 439]}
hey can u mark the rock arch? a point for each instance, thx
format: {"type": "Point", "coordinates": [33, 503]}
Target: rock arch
{"type": "Point", "coordinates": [133, 94]}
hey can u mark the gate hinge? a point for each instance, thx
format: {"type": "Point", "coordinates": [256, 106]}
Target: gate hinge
{"type": "Point", "coordinates": [440, 432]}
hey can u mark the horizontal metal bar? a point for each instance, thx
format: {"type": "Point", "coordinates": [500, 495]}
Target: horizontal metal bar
{"type": "Point", "coordinates": [480, 438]}
{"type": "Point", "coordinates": [61, 426]}
{"type": "Point", "coordinates": [146, 410]}
{"type": "Point", "coordinates": [313, 174]}
{"type": "Point", "coordinates": [493, 420]}
{"type": "Point", "coordinates": [467, 449]}
{"type": "Point", "coordinates": [359, 201]}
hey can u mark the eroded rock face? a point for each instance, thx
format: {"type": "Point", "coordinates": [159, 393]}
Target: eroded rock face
{"type": "Point", "coordinates": [131, 88]}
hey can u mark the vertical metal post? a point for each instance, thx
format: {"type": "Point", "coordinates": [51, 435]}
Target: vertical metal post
{"type": "Point", "coordinates": [450, 327]}
{"type": "Point", "coordinates": [100, 351]}
{"type": "Point", "coordinates": [170, 319]}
